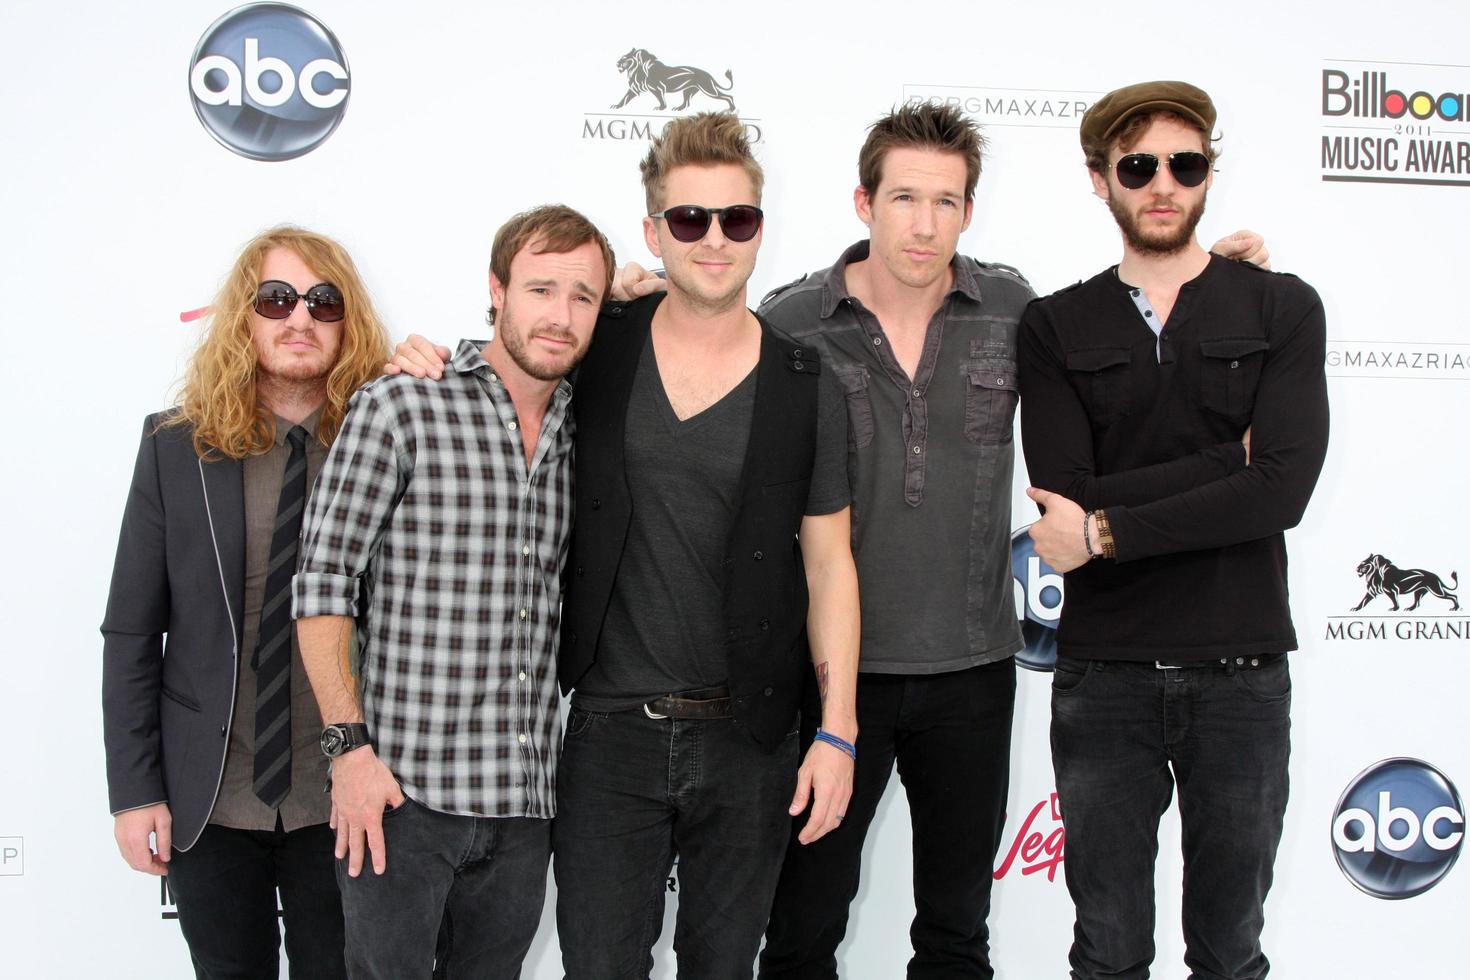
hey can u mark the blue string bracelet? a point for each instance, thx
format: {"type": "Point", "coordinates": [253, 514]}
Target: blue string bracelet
{"type": "Point", "coordinates": [837, 742]}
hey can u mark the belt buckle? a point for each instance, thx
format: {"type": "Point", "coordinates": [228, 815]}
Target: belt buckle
{"type": "Point", "coordinates": [653, 714]}
{"type": "Point", "coordinates": [1164, 666]}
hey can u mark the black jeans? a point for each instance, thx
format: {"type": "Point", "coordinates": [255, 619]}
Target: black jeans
{"type": "Point", "coordinates": [482, 878]}
{"type": "Point", "coordinates": [632, 792]}
{"type": "Point", "coordinates": [950, 735]}
{"type": "Point", "coordinates": [225, 888]}
{"type": "Point", "coordinates": [1117, 731]}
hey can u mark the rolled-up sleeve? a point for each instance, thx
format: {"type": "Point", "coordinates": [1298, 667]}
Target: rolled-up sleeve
{"type": "Point", "coordinates": [349, 511]}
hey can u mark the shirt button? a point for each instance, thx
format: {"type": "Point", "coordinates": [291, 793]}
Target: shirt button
{"type": "Point", "coordinates": [916, 450]}
{"type": "Point", "coordinates": [1001, 382]}
{"type": "Point", "coordinates": [511, 426]}
{"type": "Point", "coordinates": [525, 549]}
{"type": "Point", "coordinates": [797, 353]}
{"type": "Point", "coordinates": [1148, 312]}
{"type": "Point", "coordinates": [523, 675]}
{"type": "Point", "coordinates": [521, 738]}
{"type": "Point", "coordinates": [916, 392]}
{"type": "Point", "coordinates": [765, 624]}
{"type": "Point", "coordinates": [523, 614]}
{"type": "Point", "coordinates": [494, 376]}
{"type": "Point", "coordinates": [1135, 292]}
{"type": "Point", "coordinates": [877, 341]}
{"type": "Point", "coordinates": [759, 555]}
{"type": "Point", "coordinates": [1234, 365]}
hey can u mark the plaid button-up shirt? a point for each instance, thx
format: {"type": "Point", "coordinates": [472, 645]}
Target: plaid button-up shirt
{"type": "Point", "coordinates": [428, 527]}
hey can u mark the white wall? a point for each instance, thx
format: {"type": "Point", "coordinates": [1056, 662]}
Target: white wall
{"type": "Point", "coordinates": [121, 211]}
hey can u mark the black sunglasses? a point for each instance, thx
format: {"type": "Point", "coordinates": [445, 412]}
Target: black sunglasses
{"type": "Point", "coordinates": [275, 300]}
{"type": "Point", "coordinates": [690, 222]}
{"type": "Point", "coordinates": [1188, 167]}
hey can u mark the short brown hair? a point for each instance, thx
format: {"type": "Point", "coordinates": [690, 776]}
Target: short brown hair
{"type": "Point", "coordinates": [549, 228]}
{"type": "Point", "coordinates": [1132, 131]}
{"type": "Point", "coordinates": [924, 126]}
{"type": "Point", "coordinates": [705, 139]}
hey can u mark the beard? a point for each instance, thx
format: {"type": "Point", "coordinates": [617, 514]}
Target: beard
{"type": "Point", "coordinates": [1157, 241]}
{"type": "Point", "coordinates": [549, 369]}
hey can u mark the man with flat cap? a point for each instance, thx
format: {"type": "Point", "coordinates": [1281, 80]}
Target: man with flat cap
{"type": "Point", "coordinates": [1174, 418]}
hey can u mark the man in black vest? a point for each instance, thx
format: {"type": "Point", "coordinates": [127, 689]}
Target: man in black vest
{"type": "Point", "coordinates": [214, 773]}
{"type": "Point", "coordinates": [712, 502]}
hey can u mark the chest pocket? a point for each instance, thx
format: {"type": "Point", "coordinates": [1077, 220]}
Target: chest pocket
{"type": "Point", "coordinates": [990, 399]}
{"type": "Point", "coordinates": [1230, 371]}
{"type": "Point", "coordinates": [859, 406]}
{"type": "Point", "coordinates": [1100, 376]}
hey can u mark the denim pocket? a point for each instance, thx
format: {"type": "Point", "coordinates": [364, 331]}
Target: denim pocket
{"type": "Point", "coordinates": [1267, 684]}
{"type": "Point", "coordinates": [859, 406]}
{"type": "Point", "coordinates": [1068, 676]}
{"type": "Point", "coordinates": [393, 811]}
{"type": "Point", "coordinates": [579, 721]}
{"type": "Point", "coordinates": [990, 399]}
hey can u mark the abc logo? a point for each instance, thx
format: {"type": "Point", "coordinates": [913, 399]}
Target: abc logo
{"type": "Point", "coordinates": [1039, 593]}
{"type": "Point", "coordinates": [1398, 828]}
{"type": "Point", "coordinates": [269, 81]}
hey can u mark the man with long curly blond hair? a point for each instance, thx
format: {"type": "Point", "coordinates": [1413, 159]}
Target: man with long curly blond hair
{"type": "Point", "coordinates": [211, 733]}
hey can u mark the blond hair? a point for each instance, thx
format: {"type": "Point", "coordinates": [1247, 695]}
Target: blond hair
{"type": "Point", "coordinates": [705, 139]}
{"type": "Point", "coordinates": [218, 397]}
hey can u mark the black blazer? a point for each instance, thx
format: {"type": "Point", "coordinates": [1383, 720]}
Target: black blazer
{"type": "Point", "coordinates": [180, 573]}
{"type": "Point", "coordinates": [765, 594]}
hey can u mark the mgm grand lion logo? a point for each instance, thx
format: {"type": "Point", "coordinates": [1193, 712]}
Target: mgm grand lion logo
{"type": "Point", "coordinates": [1383, 577]}
{"type": "Point", "coordinates": [647, 74]}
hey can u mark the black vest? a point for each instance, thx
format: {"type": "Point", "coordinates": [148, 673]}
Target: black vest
{"type": "Point", "coordinates": [765, 597]}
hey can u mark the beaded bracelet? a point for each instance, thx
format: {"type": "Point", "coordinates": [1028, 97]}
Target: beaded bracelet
{"type": "Point", "coordinates": [1086, 542]}
{"type": "Point", "coordinates": [837, 742]}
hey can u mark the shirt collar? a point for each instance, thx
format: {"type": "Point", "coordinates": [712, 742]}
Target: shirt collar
{"type": "Point", "coordinates": [834, 288]}
{"type": "Point", "coordinates": [467, 359]}
{"type": "Point", "coordinates": [283, 426]}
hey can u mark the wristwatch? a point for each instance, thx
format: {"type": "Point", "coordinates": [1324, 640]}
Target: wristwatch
{"type": "Point", "coordinates": [337, 739]}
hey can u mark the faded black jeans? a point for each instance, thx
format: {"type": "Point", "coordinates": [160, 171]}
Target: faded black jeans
{"type": "Point", "coordinates": [632, 793]}
{"type": "Point", "coordinates": [1122, 735]}
{"type": "Point", "coordinates": [483, 879]}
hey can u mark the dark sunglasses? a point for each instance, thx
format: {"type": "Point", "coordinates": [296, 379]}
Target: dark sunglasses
{"type": "Point", "coordinates": [275, 300]}
{"type": "Point", "coordinates": [1188, 167]}
{"type": "Point", "coordinates": [690, 222]}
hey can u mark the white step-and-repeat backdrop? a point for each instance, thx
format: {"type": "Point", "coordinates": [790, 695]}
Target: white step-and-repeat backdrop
{"type": "Point", "coordinates": [411, 131]}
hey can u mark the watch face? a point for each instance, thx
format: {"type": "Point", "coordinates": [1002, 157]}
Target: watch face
{"type": "Point", "coordinates": [332, 741]}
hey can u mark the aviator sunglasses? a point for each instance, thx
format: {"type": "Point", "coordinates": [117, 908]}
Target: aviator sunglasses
{"type": "Point", "coordinates": [1188, 167]}
{"type": "Point", "coordinates": [690, 222]}
{"type": "Point", "coordinates": [275, 300]}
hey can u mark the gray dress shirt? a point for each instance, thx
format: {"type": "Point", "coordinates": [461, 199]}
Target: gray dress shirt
{"type": "Point", "coordinates": [306, 804]}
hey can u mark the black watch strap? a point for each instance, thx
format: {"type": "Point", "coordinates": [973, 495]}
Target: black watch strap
{"type": "Point", "coordinates": [337, 739]}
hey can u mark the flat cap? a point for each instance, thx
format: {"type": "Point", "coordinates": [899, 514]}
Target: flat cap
{"type": "Point", "coordinates": [1109, 113]}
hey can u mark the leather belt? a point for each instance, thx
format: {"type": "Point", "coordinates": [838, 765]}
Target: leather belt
{"type": "Point", "coordinates": [1238, 663]}
{"type": "Point", "coordinates": [702, 705]}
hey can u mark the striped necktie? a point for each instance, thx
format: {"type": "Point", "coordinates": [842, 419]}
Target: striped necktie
{"type": "Point", "coordinates": [272, 660]}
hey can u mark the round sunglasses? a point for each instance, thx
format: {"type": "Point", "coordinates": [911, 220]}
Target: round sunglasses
{"type": "Point", "coordinates": [690, 222]}
{"type": "Point", "coordinates": [1188, 167]}
{"type": "Point", "coordinates": [275, 300]}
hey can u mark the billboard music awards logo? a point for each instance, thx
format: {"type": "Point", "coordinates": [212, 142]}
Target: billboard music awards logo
{"type": "Point", "coordinates": [1402, 604]}
{"type": "Point", "coordinates": [1398, 828]}
{"type": "Point", "coordinates": [1029, 108]}
{"type": "Point", "coordinates": [650, 90]}
{"type": "Point", "coordinates": [269, 81]}
{"type": "Point", "coordinates": [1039, 593]}
{"type": "Point", "coordinates": [1395, 123]}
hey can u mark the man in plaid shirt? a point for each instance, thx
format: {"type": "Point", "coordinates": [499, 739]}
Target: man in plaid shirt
{"type": "Point", "coordinates": [438, 532]}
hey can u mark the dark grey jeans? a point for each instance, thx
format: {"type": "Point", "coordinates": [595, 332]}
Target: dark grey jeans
{"type": "Point", "coordinates": [1122, 734]}
{"type": "Point", "coordinates": [633, 792]}
{"type": "Point", "coordinates": [483, 879]}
